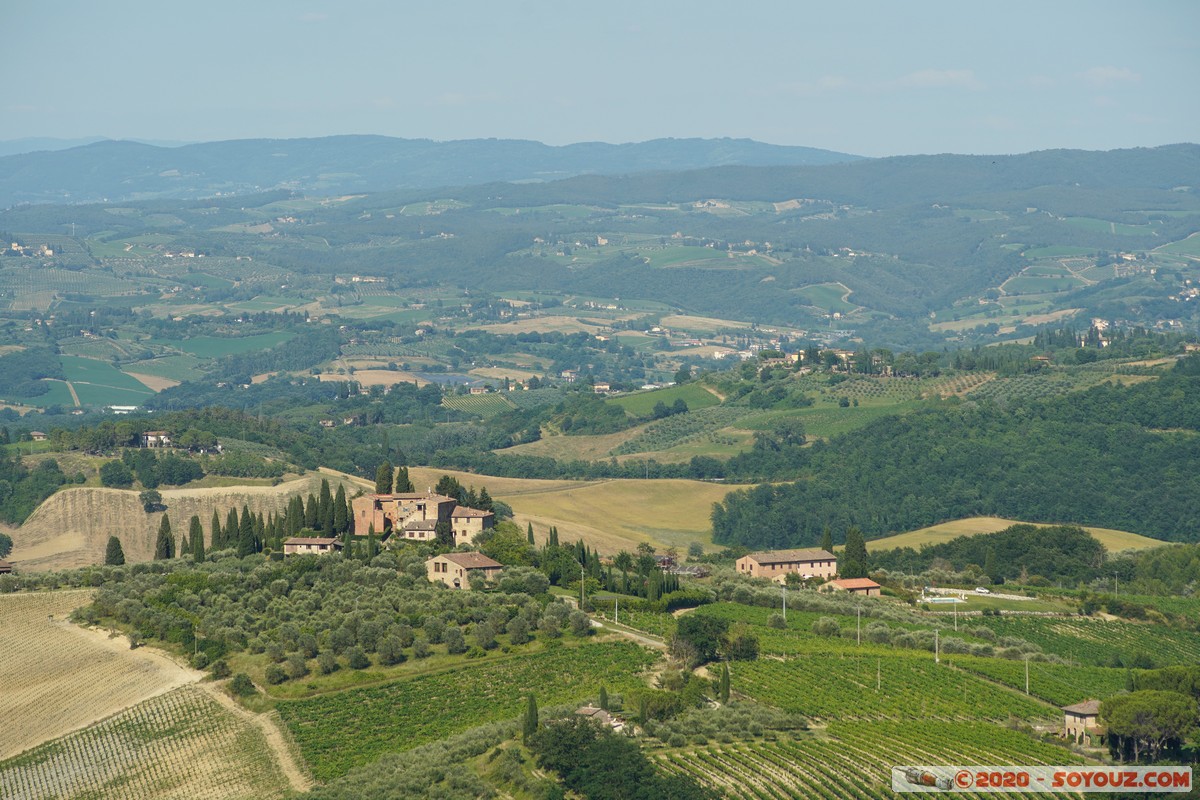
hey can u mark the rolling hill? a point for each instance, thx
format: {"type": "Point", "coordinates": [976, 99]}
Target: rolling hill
{"type": "Point", "coordinates": [123, 170]}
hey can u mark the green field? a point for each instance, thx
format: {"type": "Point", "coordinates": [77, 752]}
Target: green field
{"type": "Point", "coordinates": [1184, 247]}
{"type": "Point", "coordinates": [1058, 251]}
{"type": "Point", "coordinates": [642, 403]}
{"type": "Point", "coordinates": [338, 732]}
{"type": "Point", "coordinates": [176, 368]}
{"type": "Point", "coordinates": [1035, 284]}
{"type": "Point", "coordinates": [1105, 226]}
{"type": "Point", "coordinates": [827, 296]}
{"type": "Point", "coordinates": [218, 346]}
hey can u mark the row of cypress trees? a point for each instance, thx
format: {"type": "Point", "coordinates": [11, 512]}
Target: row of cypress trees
{"type": "Point", "coordinates": [324, 512]}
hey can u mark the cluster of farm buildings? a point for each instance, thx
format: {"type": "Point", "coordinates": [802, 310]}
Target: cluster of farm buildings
{"type": "Point", "coordinates": [414, 517]}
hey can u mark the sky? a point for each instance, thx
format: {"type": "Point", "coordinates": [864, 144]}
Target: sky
{"type": "Point", "coordinates": [869, 78]}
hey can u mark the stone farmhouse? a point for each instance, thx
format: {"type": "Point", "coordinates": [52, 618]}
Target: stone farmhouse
{"type": "Point", "coordinates": [414, 516]}
{"type": "Point", "coordinates": [319, 545]}
{"type": "Point", "coordinates": [1081, 723]}
{"type": "Point", "coordinates": [452, 568]}
{"type": "Point", "coordinates": [776, 564]}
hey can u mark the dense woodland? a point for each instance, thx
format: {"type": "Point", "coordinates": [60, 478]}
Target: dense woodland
{"type": "Point", "coordinates": [1105, 457]}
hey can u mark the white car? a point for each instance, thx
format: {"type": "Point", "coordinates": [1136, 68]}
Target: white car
{"type": "Point", "coordinates": [981, 590]}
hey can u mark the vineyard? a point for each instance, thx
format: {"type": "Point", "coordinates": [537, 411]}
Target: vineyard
{"type": "Point", "coordinates": [851, 760]}
{"type": "Point", "coordinates": [182, 744]}
{"type": "Point", "coordinates": [339, 732]}
{"type": "Point", "coordinates": [910, 686]}
{"type": "Point", "coordinates": [483, 405]}
{"type": "Point", "coordinates": [44, 659]}
{"type": "Point", "coordinates": [681, 428]}
{"type": "Point", "coordinates": [1023, 387]}
{"type": "Point", "coordinates": [1060, 684]}
{"type": "Point", "coordinates": [1096, 642]}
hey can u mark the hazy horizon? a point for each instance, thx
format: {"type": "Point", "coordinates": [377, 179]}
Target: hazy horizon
{"type": "Point", "coordinates": [867, 78]}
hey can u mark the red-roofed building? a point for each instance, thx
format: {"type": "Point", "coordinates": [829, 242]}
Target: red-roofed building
{"type": "Point", "coordinates": [808, 563]}
{"type": "Point", "coordinates": [863, 586]}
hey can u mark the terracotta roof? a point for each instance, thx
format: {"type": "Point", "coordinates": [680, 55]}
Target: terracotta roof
{"type": "Point", "coordinates": [855, 583]}
{"type": "Point", "coordinates": [438, 498]}
{"type": "Point", "coordinates": [463, 511]}
{"type": "Point", "coordinates": [783, 556]}
{"type": "Point", "coordinates": [309, 540]}
{"type": "Point", "coordinates": [473, 561]}
{"type": "Point", "coordinates": [5, 566]}
{"type": "Point", "coordinates": [420, 525]}
{"type": "Point", "coordinates": [1088, 708]}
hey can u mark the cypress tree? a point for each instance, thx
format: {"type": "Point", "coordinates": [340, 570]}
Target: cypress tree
{"type": "Point", "coordinates": [340, 521]}
{"type": "Point", "coordinates": [404, 483]}
{"type": "Point", "coordinates": [231, 529]}
{"type": "Point", "coordinates": [529, 532]}
{"type": "Point", "coordinates": [723, 691]}
{"type": "Point", "coordinates": [295, 516]}
{"type": "Point", "coordinates": [198, 546]}
{"type": "Point", "coordinates": [827, 540]}
{"type": "Point", "coordinates": [245, 529]}
{"type": "Point", "coordinates": [370, 544]}
{"type": "Point", "coordinates": [603, 698]}
{"type": "Point", "coordinates": [195, 532]}
{"type": "Point", "coordinates": [325, 505]}
{"type": "Point", "coordinates": [216, 538]}
{"type": "Point", "coordinates": [310, 512]}
{"type": "Point", "coordinates": [383, 478]}
{"type": "Point", "coordinates": [114, 554]}
{"type": "Point", "coordinates": [643, 710]}
{"type": "Point", "coordinates": [485, 500]}
{"type": "Point", "coordinates": [989, 565]}
{"type": "Point", "coordinates": [854, 556]}
{"type": "Point", "coordinates": [529, 724]}
{"type": "Point", "coordinates": [164, 545]}
{"type": "Point", "coordinates": [260, 532]}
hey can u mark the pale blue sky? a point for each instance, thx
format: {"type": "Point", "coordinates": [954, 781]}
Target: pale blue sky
{"type": "Point", "coordinates": [873, 78]}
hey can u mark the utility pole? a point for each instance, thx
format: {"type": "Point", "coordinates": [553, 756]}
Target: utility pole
{"type": "Point", "coordinates": [878, 680]}
{"type": "Point", "coordinates": [617, 610]}
{"type": "Point", "coordinates": [937, 656]}
{"type": "Point", "coordinates": [858, 632]}
{"type": "Point", "coordinates": [956, 617]}
{"type": "Point", "coordinates": [581, 587]}
{"type": "Point", "coordinates": [784, 588]}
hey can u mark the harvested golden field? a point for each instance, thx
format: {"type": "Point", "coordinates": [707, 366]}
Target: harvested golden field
{"type": "Point", "coordinates": [181, 745]}
{"type": "Point", "coordinates": [154, 382]}
{"type": "Point", "coordinates": [72, 527]}
{"type": "Point", "coordinates": [375, 377]}
{"type": "Point", "coordinates": [1114, 541]}
{"type": "Point", "coordinates": [500, 373]}
{"type": "Point", "coordinates": [550, 324]}
{"type": "Point", "coordinates": [58, 677]}
{"type": "Point", "coordinates": [609, 515]}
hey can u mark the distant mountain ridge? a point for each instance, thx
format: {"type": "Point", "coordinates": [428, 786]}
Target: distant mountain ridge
{"type": "Point", "coordinates": [122, 171]}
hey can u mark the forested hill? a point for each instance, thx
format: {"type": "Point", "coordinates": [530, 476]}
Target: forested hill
{"type": "Point", "coordinates": [122, 171]}
{"type": "Point", "coordinates": [1115, 457]}
{"type": "Point", "coordinates": [885, 182]}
